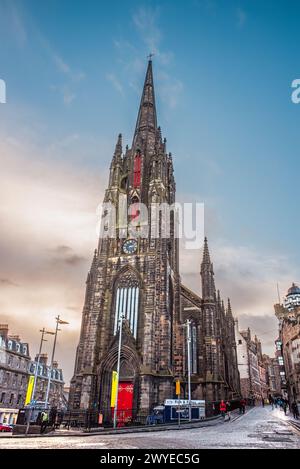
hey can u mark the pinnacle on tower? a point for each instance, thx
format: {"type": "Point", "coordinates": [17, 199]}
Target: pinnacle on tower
{"type": "Point", "coordinates": [118, 149]}
{"type": "Point", "coordinates": [229, 310]}
{"type": "Point", "coordinates": [146, 121]}
{"type": "Point", "coordinates": [206, 257]}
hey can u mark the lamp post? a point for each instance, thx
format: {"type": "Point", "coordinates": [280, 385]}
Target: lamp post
{"type": "Point", "coordinates": [58, 321]}
{"type": "Point", "coordinates": [118, 368]}
{"type": "Point", "coordinates": [44, 332]}
{"type": "Point", "coordinates": [188, 339]}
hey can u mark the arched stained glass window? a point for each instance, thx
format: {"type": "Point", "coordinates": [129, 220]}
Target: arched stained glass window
{"type": "Point", "coordinates": [194, 366]}
{"type": "Point", "coordinates": [127, 301]}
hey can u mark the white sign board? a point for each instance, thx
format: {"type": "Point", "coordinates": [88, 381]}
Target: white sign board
{"type": "Point", "coordinates": [184, 402]}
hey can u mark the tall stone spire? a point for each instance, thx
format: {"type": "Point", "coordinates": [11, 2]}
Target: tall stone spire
{"type": "Point", "coordinates": [116, 164]}
{"type": "Point", "coordinates": [118, 149]}
{"type": "Point", "coordinates": [146, 124]}
{"type": "Point", "coordinates": [206, 256]}
{"type": "Point", "coordinates": [207, 274]}
{"type": "Point", "coordinates": [229, 310]}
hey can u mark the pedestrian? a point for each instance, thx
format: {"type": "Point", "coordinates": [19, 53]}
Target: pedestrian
{"type": "Point", "coordinates": [271, 401]}
{"type": "Point", "coordinates": [228, 409]}
{"type": "Point", "coordinates": [44, 421]}
{"type": "Point", "coordinates": [262, 402]}
{"type": "Point", "coordinates": [295, 410]}
{"type": "Point", "coordinates": [242, 405]}
{"type": "Point", "coordinates": [223, 409]}
{"type": "Point", "coordinates": [284, 406]}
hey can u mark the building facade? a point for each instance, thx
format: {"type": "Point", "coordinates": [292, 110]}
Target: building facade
{"type": "Point", "coordinates": [14, 364]}
{"type": "Point", "coordinates": [259, 374]}
{"type": "Point", "coordinates": [273, 375]}
{"type": "Point", "coordinates": [288, 342]}
{"type": "Point", "coordinates": [56, 393]}
{"type": "Point", "coordinates": [16, 367]}
{"type": "Point", "coordinates": [135, 273]}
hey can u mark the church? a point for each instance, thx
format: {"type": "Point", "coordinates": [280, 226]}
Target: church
{"type": "Point", "coordinates": [138, 277]}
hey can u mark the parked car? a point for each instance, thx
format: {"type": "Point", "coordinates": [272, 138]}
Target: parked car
{"type": "Point", "coordinates": [4, 427]}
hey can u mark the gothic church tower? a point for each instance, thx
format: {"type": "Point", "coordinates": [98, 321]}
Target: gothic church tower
{"type": "Point", "coordinates": [137, 276]}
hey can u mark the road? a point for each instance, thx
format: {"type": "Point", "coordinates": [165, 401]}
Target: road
{"type": "Point", "coordinates": [258, 428]}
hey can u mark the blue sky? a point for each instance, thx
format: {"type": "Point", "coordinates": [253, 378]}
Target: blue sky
{"type": "Point", "coordinates": [223, 72]}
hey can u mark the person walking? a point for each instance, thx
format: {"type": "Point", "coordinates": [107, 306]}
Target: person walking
{"type": "Point", "coordinates": [223, 409]}
{"type": "Point", "coordinates": [44, 421]}
{"type": "Point", "coordinates": [228, 409]}
{"type": "Point", "coordinates": [295, 410]}
{"type": "Point", "coordinates": [242, 405]}
{"type": "Point", "coordinates": [262, 402]}
{"type": "Point", "coordinates": [284, 406]}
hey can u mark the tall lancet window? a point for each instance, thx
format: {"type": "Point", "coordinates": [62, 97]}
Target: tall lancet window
{"type": "Point", "coordinates": [194, 367]}
{"type": "Point", "coordinates": [127, 301]}
{"type": "Point", "coordinates": [137, 170]}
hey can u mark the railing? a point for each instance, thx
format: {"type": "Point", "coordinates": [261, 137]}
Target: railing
{"type": "Point", "coordinates": [88, 419]}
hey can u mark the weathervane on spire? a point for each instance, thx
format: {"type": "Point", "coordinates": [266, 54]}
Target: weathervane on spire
{"type": "Point", "coordinates": [149, 57]}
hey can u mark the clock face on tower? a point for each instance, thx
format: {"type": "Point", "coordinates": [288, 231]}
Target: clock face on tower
{"type": "Point", "coordinates": [130, 246]}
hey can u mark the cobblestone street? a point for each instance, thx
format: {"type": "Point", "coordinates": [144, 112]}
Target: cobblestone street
{"type": "Point", "coordinates": [258, 428]}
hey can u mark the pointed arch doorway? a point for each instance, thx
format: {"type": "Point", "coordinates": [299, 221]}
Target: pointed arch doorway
{"type": "Point", "coordinates": [128, 386]}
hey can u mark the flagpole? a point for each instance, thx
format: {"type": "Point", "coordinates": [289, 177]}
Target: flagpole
{"type": "Point", "coordinates": [118, 369]}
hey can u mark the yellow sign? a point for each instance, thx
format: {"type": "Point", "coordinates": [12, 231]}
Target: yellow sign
{"type": "Point", "coordinates": [29, 390]}
{"type": "Point", "coordinates": [177, 391]}
{"type": "Point", "coordinates": [114, 383]}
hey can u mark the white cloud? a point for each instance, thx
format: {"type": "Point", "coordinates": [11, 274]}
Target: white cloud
{"type": "Point", "coordinates": [47, 203]}
{"type": "Point", "coordinates": [241, 17]}
{"type": "Point", "coordinates": [115, 82]}
{"type": "Point", "coordinates": [12, 22]}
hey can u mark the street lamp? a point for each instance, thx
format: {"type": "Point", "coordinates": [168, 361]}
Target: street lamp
{"type": "Point", "coordinates": [44, 332]}
{"type": "Point", "coordinates": [118, 368]}
{"type": "Point", "coordinates": [58, 321]}
{"type": "Point", "coordinates": [188, 339]}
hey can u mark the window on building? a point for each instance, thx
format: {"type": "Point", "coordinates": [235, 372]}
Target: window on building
{"type": "Point", "coordinates": [278, 345]}
{"type": "Point", "coordinates": [11, 399]}
{"type": "Point", "coordinates": [280, 361]}
{"type": "Point", "coordinates": [19, 399]}
{"type": "Point", "coordinates": [127, 301]}
{"type": "Point", "coordinates": [137, 170]}
{"type": "Point", "coordinates": [2, 399]}
{"type": "Point", "coordinates": [194, 367]}
{"type": "Point", "coordinates": [240, 342]}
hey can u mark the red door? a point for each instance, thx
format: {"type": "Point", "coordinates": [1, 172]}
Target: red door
{"type": "Point", "coordinates": [125, 403]}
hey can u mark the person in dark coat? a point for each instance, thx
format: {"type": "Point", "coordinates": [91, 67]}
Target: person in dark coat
{"type": "Point", "coordinates": [242, 406]}
{"type": "Point", "coordinates": [295, 410]}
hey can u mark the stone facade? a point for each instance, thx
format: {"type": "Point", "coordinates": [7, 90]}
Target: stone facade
{"type": "Point", "coordinates": [251, 365]}
{"type": "Point", "coordinates": [56, 393]}
{"type": "Point", "coordinates": [289, 341]}
{"type": "Point", "coordinates": [273, 375]}
{"type": "Point", "coordinates": [14, 364]}
{"type": "Point", "coordinates": [137, 273]}
{"type": "Point", "coordinates": [15, 369]}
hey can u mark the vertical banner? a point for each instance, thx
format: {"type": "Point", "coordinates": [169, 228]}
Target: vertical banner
{"type": "Point", "coordinates": [114, 388]}
{"type": "Point", "coordinates": [177, 390]}
{"type": "Point", "coordinates": [29, 390]}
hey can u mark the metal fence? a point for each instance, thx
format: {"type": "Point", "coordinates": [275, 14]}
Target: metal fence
{"type": "Point", "coordinates": [88, 419]}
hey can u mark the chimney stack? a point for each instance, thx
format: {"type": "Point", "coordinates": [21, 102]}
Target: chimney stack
{"type": "Point", "coordinates": [4, 330]}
